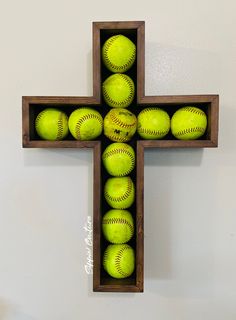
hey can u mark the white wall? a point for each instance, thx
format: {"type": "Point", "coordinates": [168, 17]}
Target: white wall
{"type": "Point", "coordinates": [46, 195]}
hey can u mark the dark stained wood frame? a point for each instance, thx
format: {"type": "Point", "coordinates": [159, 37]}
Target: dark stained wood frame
{"type": "Point", "coordinates": [32, 105]}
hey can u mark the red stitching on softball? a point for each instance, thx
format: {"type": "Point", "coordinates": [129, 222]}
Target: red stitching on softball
{"type": "Point", "coordinates": [152, 132]}
{"type": "Point", "coordinates": [117, 138]}
{"type": "Point", "coordinates": [124, 102]}
{"type": "Point", "coordinates": [111, 153]}
{"type": "Point", "coordinates": [190, 130]}
{"type": "Point", "coordinates": [60, 127]}
{"type": "Point", "coordinates": [120, 123]}
{"type": "Point", "coordinates": [125, 196]}
{"type": "Point", "coordinates": [118, 259]}
{"type": "Point", "coordinates": [119, 221]}
{"type": "Point", "coordinates": [129, 63]}
{"type": "Point", "coordinates": [193, 110]}
{"type": "Point", "coordinates": [39, 117]}
{"type": "Point", "coordinates": [151, 109]}
{"type": "Point", "coordinates": [84, 118]}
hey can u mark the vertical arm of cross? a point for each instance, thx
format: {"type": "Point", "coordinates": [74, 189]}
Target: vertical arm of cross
{"type": "Point", "coordinates": [101, 30]}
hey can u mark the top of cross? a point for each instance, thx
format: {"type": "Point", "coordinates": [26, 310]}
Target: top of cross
{"type": "Point", "coordinates": [135, 30]}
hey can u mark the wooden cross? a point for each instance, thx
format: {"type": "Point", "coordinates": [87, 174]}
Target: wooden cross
{"type": "Point", "coordinates": [135, 30]}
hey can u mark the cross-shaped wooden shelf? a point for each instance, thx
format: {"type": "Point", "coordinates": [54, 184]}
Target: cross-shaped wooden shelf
{"type": "Point", "coordinates": [135, 30]}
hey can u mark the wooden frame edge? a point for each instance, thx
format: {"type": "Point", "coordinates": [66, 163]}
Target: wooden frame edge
{"type": "Point", "coordinates": [96, 215]}
{"type": "Point", "coordinates": [113, 288]}
{"type": "Point", "coordinates": [96, 63]}
{"type": "Point", "coordinates": [178, 99]}
{"type": "Point", "coordinates": [118, 24]}
{"type": "Point", "coordinates": [214, 121]}
{"type": "Point", "coordinates": [60, 100]}
{"type": "Point", "coordinates": [140, 216]}
{"type": "Point", "coordinates": [25, 122]}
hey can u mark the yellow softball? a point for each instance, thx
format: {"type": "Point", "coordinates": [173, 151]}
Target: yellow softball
{"type": "Point", "coordinates": [119, 125]}
{"type": "Point", "coordinates": [119, 260]}
{"type": "Point", "coordinates": [85, 123]}
{"type": "Point", "coordinates": [118, 90]}
{"type": "Point", "coordinates": [118, 53]}
{"type": "Point", "coordinates": [118, 159]}
{"type": "Point", "coordinates": [119, 192]}
{"type": "Point", "coordinates": [153, 123]}
{"type": "Point", "coordinates": [188, 123]}
{"type": "Point", "coordinates": [51, 124]}
{"type": "Point", "coordinates": [118, 226]}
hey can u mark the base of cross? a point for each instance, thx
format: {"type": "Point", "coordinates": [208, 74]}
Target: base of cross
{"type": "Point", "coordinates": [32, 106]}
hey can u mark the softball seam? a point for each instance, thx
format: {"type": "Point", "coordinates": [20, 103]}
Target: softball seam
{"type": "Point", "coordinates": [150, 109]}
{"type": "Point", "coordinates": [124, 197]}
{"type": "Point", "coordinates": [193, 110]}
{"type": "Point", "coordinates": [111, 153]}
{"type": "Point", "coordinates": [153, 132]}
{"type": "Point", "coordinates": [126, 102]}
{"type": "Point", "coordinates": [60, 127]}
{"type": "Point", "coordinates": [116, 138]}
{"type": "Point", "coordinates": [118, 260]}
{"type": "Point", "coordinates": [125, 66]}
{"type": "Point", "coordinates": [39, 117]}
{"type": "Point", "coordinates": [119, 221]}
{"type": "Point", "coordinates": [153, 109]}
{"type": "Point", "coordinates": [81, 121]}
{"type": "Point", "coordinates": [120, 123]}
{"type": "Point", "coordinates": [189, 130]}
{"type": "Point", "coordinates": [105, 259]}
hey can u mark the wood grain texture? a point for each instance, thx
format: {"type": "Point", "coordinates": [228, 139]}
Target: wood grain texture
{"type": "Point", "coordinates": [140, 63]}
{"type": "Point", "coordinates": [96, 63]}
{"type": "Point", "coordinates": [140, 216]}
{"type": "Point", "coordinates": [97, 216]}
{"type": "Point", "coordinates": [178, 99]}
{"type": "Point", "coordinates": [118, 25]}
